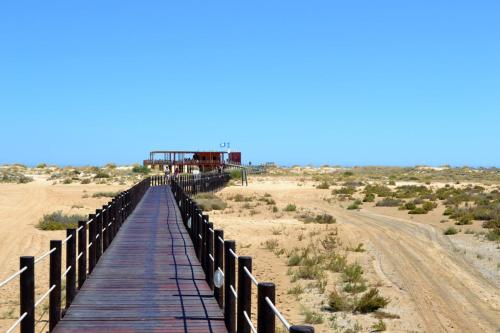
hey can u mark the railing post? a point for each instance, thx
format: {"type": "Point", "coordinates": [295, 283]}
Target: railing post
{"type": "Point", "coordinates": [91, 243]}
{"type": "Point", "coordinates": [82, 248]}
{"type": "Point", "coordinates": [55, 280]}
{"type": "Point", "coordinates": [27, 294]}
{"type": "Point", "coordinates": [244, 293]}
{"type": "Point", "coordinates": [70, 262]}
{"type": "Point", "coordinates": [265, 315]}
{"type": "Point", "coordinates": [98, 236]}
{"type": "Point", "coordinates": [301, 329]}
{"type": "Point", "coordinates": [199, 241]}
{"type": "Point", "coordinates": [229, 281]}
{"type": "Point", "coordinates": [105, 233]}
{"type": "Point", "coordinates": [210, 251]}
{"type": "Point", "coordinates": [218, 262]}
{"type": "Point", "coordinates": [204, 253]}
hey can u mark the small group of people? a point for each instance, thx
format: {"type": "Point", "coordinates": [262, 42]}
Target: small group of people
{"type": "Point", "coordinates": [167, 173]}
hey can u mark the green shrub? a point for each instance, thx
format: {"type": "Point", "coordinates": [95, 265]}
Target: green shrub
{"type": "Point", "coordinates": [323, 186]}
{"type": "Point", "coordinates": [41, 166]}
{"type": "Point", "coordinates": [370, 197]}
{"type": "Point", "coordinates": [353, 206]}
{"type": "Point", "coordinates": [493, 235]}
{"type": "Point", "coordinates": [325, 219]}
{"type": "Point", "coordinates": [101, 174]}
{"type": "Point", "coordinates": [275, 209]}
{"type": "Point", "coordinates": [345, 190]}
{"type": "Point", "coordinates": [353, 273]}
{"type": "Point", "coordinates": [105, 194]}
{"type": "Point", "coordinates": [355, 288]}
{"type": "Point", "coordinates": [141, 169]}
{"type": "Point", "coordinates": [389, 202]}
{"type": "Point", "coordinates": [290, 208]}
{"type": "Point", "coordinates": [370, 302]}
{"type": "Point", "coordinates": [464, 220]}
{"type": "Point", "coordinates": [336, 302]}
{"type": "Point", "coordinates": [67, 181]}
{"type": "Point", "coordinates": [310, 272]}
{"type": "Point", "coordinates": [59, 221]}
{"type": "Point", "coordinates": [235, 174]}
{"type": "Point", "coordinates": [294, 260]}
{"type": "Point", "coordinates": [380, 190]}
{"type": "Point", "coordinates": [85, 181]}
{"type": "Point", "coordinates": [418, 210]}
{"type": "Point", "coordinates": [450, 231]}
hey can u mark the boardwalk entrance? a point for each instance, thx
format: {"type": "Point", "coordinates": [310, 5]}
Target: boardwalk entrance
{"type": "Point", "coordinates": [148, 280]}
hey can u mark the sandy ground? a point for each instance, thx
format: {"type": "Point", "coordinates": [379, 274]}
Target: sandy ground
{"type": "Point", "coordinates": [21, 207]}
{"type": "Point", "coordinates": [436, 283]}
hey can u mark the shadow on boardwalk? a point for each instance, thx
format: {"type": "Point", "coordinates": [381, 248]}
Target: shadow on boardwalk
{"type": "Point", "coordinates": [148, 280]}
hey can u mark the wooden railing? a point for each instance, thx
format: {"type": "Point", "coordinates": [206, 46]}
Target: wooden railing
{"type": "Point", "coordinates": [223, 266]}
{"type": "Point", "coordinates": [92, 238]}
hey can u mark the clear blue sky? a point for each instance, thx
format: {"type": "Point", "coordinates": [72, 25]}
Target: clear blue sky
{"type": "Point", "coordinates": [295, 82]}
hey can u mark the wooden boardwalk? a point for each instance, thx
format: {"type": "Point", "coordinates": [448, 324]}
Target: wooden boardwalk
{"type": "Point", "coordinates": [149, 279]}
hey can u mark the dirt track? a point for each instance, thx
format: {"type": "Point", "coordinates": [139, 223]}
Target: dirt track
{"type": "Point", "coordinates": [448, 294]}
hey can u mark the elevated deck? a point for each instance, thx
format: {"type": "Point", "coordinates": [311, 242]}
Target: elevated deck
{"type": "Point", "coordinates": [149, 279]}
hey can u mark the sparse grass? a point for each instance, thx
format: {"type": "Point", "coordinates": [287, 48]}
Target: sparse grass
{"type": "Point", "coordinates": [353, 273]}
{"type": "Point", "coordinates": [235, 174]}
{"type": "Point", "coordinates": [450, 231]}
{"type": "Point", "coordinates": [296, 290]}
{"type": "Point", "coordinates": [336, 263]}
{"type": "Point", "coordinates": [105, 194]}
{"type": "Point", "coordinates": [290, 208]}
{"type": "Point", "coordinates": [271, 244]}
{"type": "Point", "coordinates": [59, 221]}
{"type": "Point", "coordinates": [312, 317]}
{"type": "Point", "coordinates": [379, 326]}
{"type": "Point", "coordinates": [385, 315]}
{"type": "Point", "coordinates": [209, 201]}
{"type": "Point", "coordinates": [241, 198]}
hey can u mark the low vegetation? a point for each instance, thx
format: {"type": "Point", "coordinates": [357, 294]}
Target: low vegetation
{"type": "Point", "coordinates": [105, 194]}
{"type": "Point", "coordinates": [60, 221]}
{"type": "Point", "coordinates": [209, 202]}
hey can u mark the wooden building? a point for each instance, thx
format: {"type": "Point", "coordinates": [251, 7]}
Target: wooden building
{"type": "Point", "coordinates": [191, 161]}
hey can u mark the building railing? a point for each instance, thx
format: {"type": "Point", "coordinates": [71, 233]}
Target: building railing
{"type": "Point", "coordinates": [228, 274]}
{"type": "Point", "coordinates": [84, 246]}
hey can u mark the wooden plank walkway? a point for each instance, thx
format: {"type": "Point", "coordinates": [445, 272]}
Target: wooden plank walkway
{"type": "Point", "coordinates": [149, 279]}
